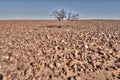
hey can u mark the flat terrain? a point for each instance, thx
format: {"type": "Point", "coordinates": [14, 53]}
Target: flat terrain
{"type": "Point", "coordinates": [39, 50]}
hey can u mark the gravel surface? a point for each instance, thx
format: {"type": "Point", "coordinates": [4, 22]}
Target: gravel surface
{"type": "Point", "coordinates": [81, 50]}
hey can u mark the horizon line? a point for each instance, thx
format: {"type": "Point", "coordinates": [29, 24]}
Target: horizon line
{"type": "Point", "coordinates": [56, 19]}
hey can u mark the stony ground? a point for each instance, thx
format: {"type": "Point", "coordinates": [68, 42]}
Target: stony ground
{"type": "Point", "coordinates": [81, 50]}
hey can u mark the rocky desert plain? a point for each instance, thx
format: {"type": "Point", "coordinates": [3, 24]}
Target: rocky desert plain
{"type": "Point", "coordinates": [39, 50]}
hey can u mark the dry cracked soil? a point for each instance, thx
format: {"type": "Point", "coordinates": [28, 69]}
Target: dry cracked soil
{"type": "Point", "coordinates": [80, 50]}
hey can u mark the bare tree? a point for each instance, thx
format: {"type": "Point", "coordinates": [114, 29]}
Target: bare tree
{"type": "Point", "coordinates": [63, 15]}
{"type": "Point", "coordinates": [60, 15]}
{"type": "Point", "coordinates": [69, 16]}
{"type": "Point", "coordinates": [75, 16]}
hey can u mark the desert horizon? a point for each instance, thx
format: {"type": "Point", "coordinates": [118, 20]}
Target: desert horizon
{"type": "Point", "coordinates": [59, 39]}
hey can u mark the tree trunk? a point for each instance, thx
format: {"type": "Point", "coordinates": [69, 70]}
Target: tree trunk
{"type": "Point", "coordinates": [61, 23]}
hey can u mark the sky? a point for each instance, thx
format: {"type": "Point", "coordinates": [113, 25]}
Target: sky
{"type": "Point", "coordinates": [41, 9]}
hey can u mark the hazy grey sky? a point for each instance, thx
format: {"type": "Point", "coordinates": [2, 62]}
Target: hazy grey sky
{"type": "Point", "coordinates": [41, 9]}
